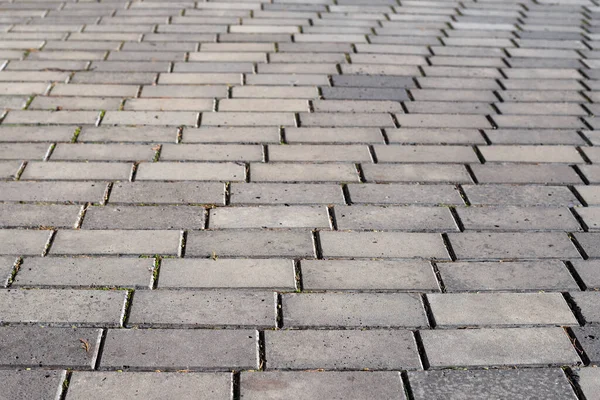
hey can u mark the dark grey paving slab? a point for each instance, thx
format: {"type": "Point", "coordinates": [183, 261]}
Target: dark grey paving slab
{"type": "Point", "coordinates": [168, 349]}
{"type": "Point", "coordinates": [341, 349]}
{"type": "Point", "coordinates": [498, 347]}
{"type": "Point", "coordinates": [37, 346]}
{"type": "Point", "coordinates": [149, 385]}
{"type": "Point", "coordinates": [500, 384]}
{"type": "Point", "coordinates": [23, 384]}
{"type": "Point", "coordinates": [589, 339]}
{"type": "Point", "coordinates": [301, 385]}
{"type": "Point", "coordinates": [588, 304]}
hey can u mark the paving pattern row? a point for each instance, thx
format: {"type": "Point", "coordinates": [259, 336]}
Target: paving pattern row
{"type": "Point", "coordinates": [310, 199]}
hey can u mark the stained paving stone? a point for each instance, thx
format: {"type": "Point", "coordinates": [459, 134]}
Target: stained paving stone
{"type": "Point", "coordinates": [115, 242]}
{"type": "Point", "coordinates": [517, 245]}
{"type": "Point", "coordinates": [70, 307]}
{"type": "Point", "coordinates": [524, 383]}
{"type": "Point", "coordinates": [498, 309]}
{"type": "Point", "coordinates": [498, 347]}
{"type": "Point", "coordinates": [250, 243]}
{"type": "Point", "coordinates": [148, 385]}
{"type": "Point", "coordinates": [382, 245]}
{"type": "Point", "coordinates": [190, 349]}
{"type": "Point", "coordinates": [588, 304]}
{"type": "Point", "coordinates": [430, 219]}
{"type": "Point", "coordinates": [550, 275]}
{"type": "Point", "coordinates": [39, 346]}
{"type": "Point", "coordinates": [368, 275]}
{"type": "Point", "coordinates": [18, 384]}
{"type": "Point", "coordinates": [226, 273]}
{"type": "Point", "coordinates": [331, 385]}
{"type": "Point", "coordinates": [588, 380]}
{"type": "Point", "coordinates": [353, 310]}
{"type": "Point", "coordinates": [146, 217]}
{"type": "Point", "coordinates": [84, 272]}
{"type": "Point", "coordinates": [312, 349]}
{"type": "Point", "coordinates": [167, 308]}
{"type": "Point", "coordinates": [589, 339]}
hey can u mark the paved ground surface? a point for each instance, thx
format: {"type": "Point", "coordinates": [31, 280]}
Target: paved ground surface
{"type": "Point", "coordinates": [307, 199]}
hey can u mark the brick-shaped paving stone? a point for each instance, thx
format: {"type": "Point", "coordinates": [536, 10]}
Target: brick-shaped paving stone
{"type": "Point", "coordinates": [589, 339]}
{"type": "Point", "coordinates": [42, 346]}
{"type": "Point", "coordinates": [282, 193]}
{"type": "Point", "coordinates": [148, 385]}
{"type": "Point", "coordinates": [517, 219]}
{"type": "Point", "coordinates": [313, 349]}
{"type": "Point", "coordinates": [82, 272]}
{"type": "Point", "coordinates": [588, 380]}
{"type": "Point", "coordinates": [168, 349]}
{"type": "Point", "coordinates": [382, 245]}
{"type": "Point", "coordinates": [71, 307]}
{"type": "Point", "coordinates": [167, 308]}
{"type": "Point", "coordinates": [394, 218]}
{"type": "Point", "coordinates": [307, 385]}
{"type": "Point", "coordinates": [414, 275]}
{"type": "Point", "coordinates": [23, 242]}
{"type": "Point", "coordinates": [226, 273]}
{"type": "Point", "coordinates": [148, 217]}
{"type": "Point", "coordinates": [269, 217]}
{"type": "Point", "coordinates": [518, 195]}
{"type": "Point", "coordinates": [36, 216]}
{"type": "Point", "coordinates": [589, 272]}
{"type": "Point", "coordinates": [533, 383]}
{"type": "Point", "coordinates": [588, 304]}
{"type": "Point", "coordinates": [500, 309]}
{"type": "Point", "coordinates": [116, 242]}
{"type": "Point", "coordinates": [498, 347]}
{"type": "Point", "coordinates": [167, 193]}
{"type": "Point", "coordinates": [52, 192]}
{"type": "Point", "coordinates": [550, 275]}
{"type": "Point", "coordinates": [31, 384]}
{"type": "Point", "coordinates": [353, 310]}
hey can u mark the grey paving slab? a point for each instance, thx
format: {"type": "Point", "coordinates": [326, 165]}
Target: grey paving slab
{"type": "Point", "coordinates": [21, 384]}
{"type": "Point", "coordinates": [282, 193]}
{"type": "Point", "coordinates": [530, 173]}
{"type": "Point", "coordinates": [71, 171]}
{"type": "Point", "coordinates": [588, 380]}
{"type": "Point", "coordinates": [589, 339]}
{"type": "Point", "coordinates": [518, 219]}
{"type": "Point", "coordinates": [382, 245]}
{"type": "Point", "coordinates": [269, 217]}
{"type": "Point", "coordinates": [115, 242]}
{"type": "Point", "coordinates": [498, 347]}
{"type": "Point", "coordinates": [42, 346]}
{"type": "Point", "coordinates": [550, 275]}
{"type": "Point", "coordinates": [500, 309]}
{"type": "Point", "coordinates": [523, 383]}
{"type": "Point", "coordinates": [520, 195]}
{"type": "Point", "coordinates": [589, 272]}
{"type": "Point", "coordinates": [341, 349]}
{"type": "Point", "coordinates": [167, 193]}
{"type": "Point", "coordinates": [588, 304]}
{"type": "Point", "coordinates": [178, 171]}
{"type": "Point", "coordinates": [149, 385]}
{"type": "Point", "coordinates": [404, 194]}
{"type": "Point", "coordinates": [70, 307]}
{"type": "Point", "coordinates": [227, 273]}
{"type": "Point", "coordinates": [38, 216]}
{"type": "Point", "coordinates": [353, 310]}
{"type": "Point", "coordinates": [588, 242]}
{"type": "Point", "coordinates": [168, 349]}
{"type": "Point", "coordinates": [331, 385]}
{"type": "Point", "coordinates": [83, 272]}
{"type": "Point", "coordinates": [358, 217]}
{"type": "Point", "coordinates": [250, 243]}
{"type": "Point", "coordinates": [23, 242]}
{"type": "Point", "coordinates": [415, 173]}
{"type": "Point", "coordinates": [143, 217]}
{"type": "Point", "coordinates": [368, 275]}
{"type": "Point", "coordinates": [514, 245]}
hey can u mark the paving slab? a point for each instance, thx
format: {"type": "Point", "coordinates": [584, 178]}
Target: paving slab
{"type": "Point", "coordinates": [331, 385]}
{"type": "Point", "coordinates": [18, 384]}
{"type": "Point", "coordinates": [526, 383]}
{"type": "Point", "coordinates": [588, 380]}
{"type": "Point", "coordinates": [149, 385]}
